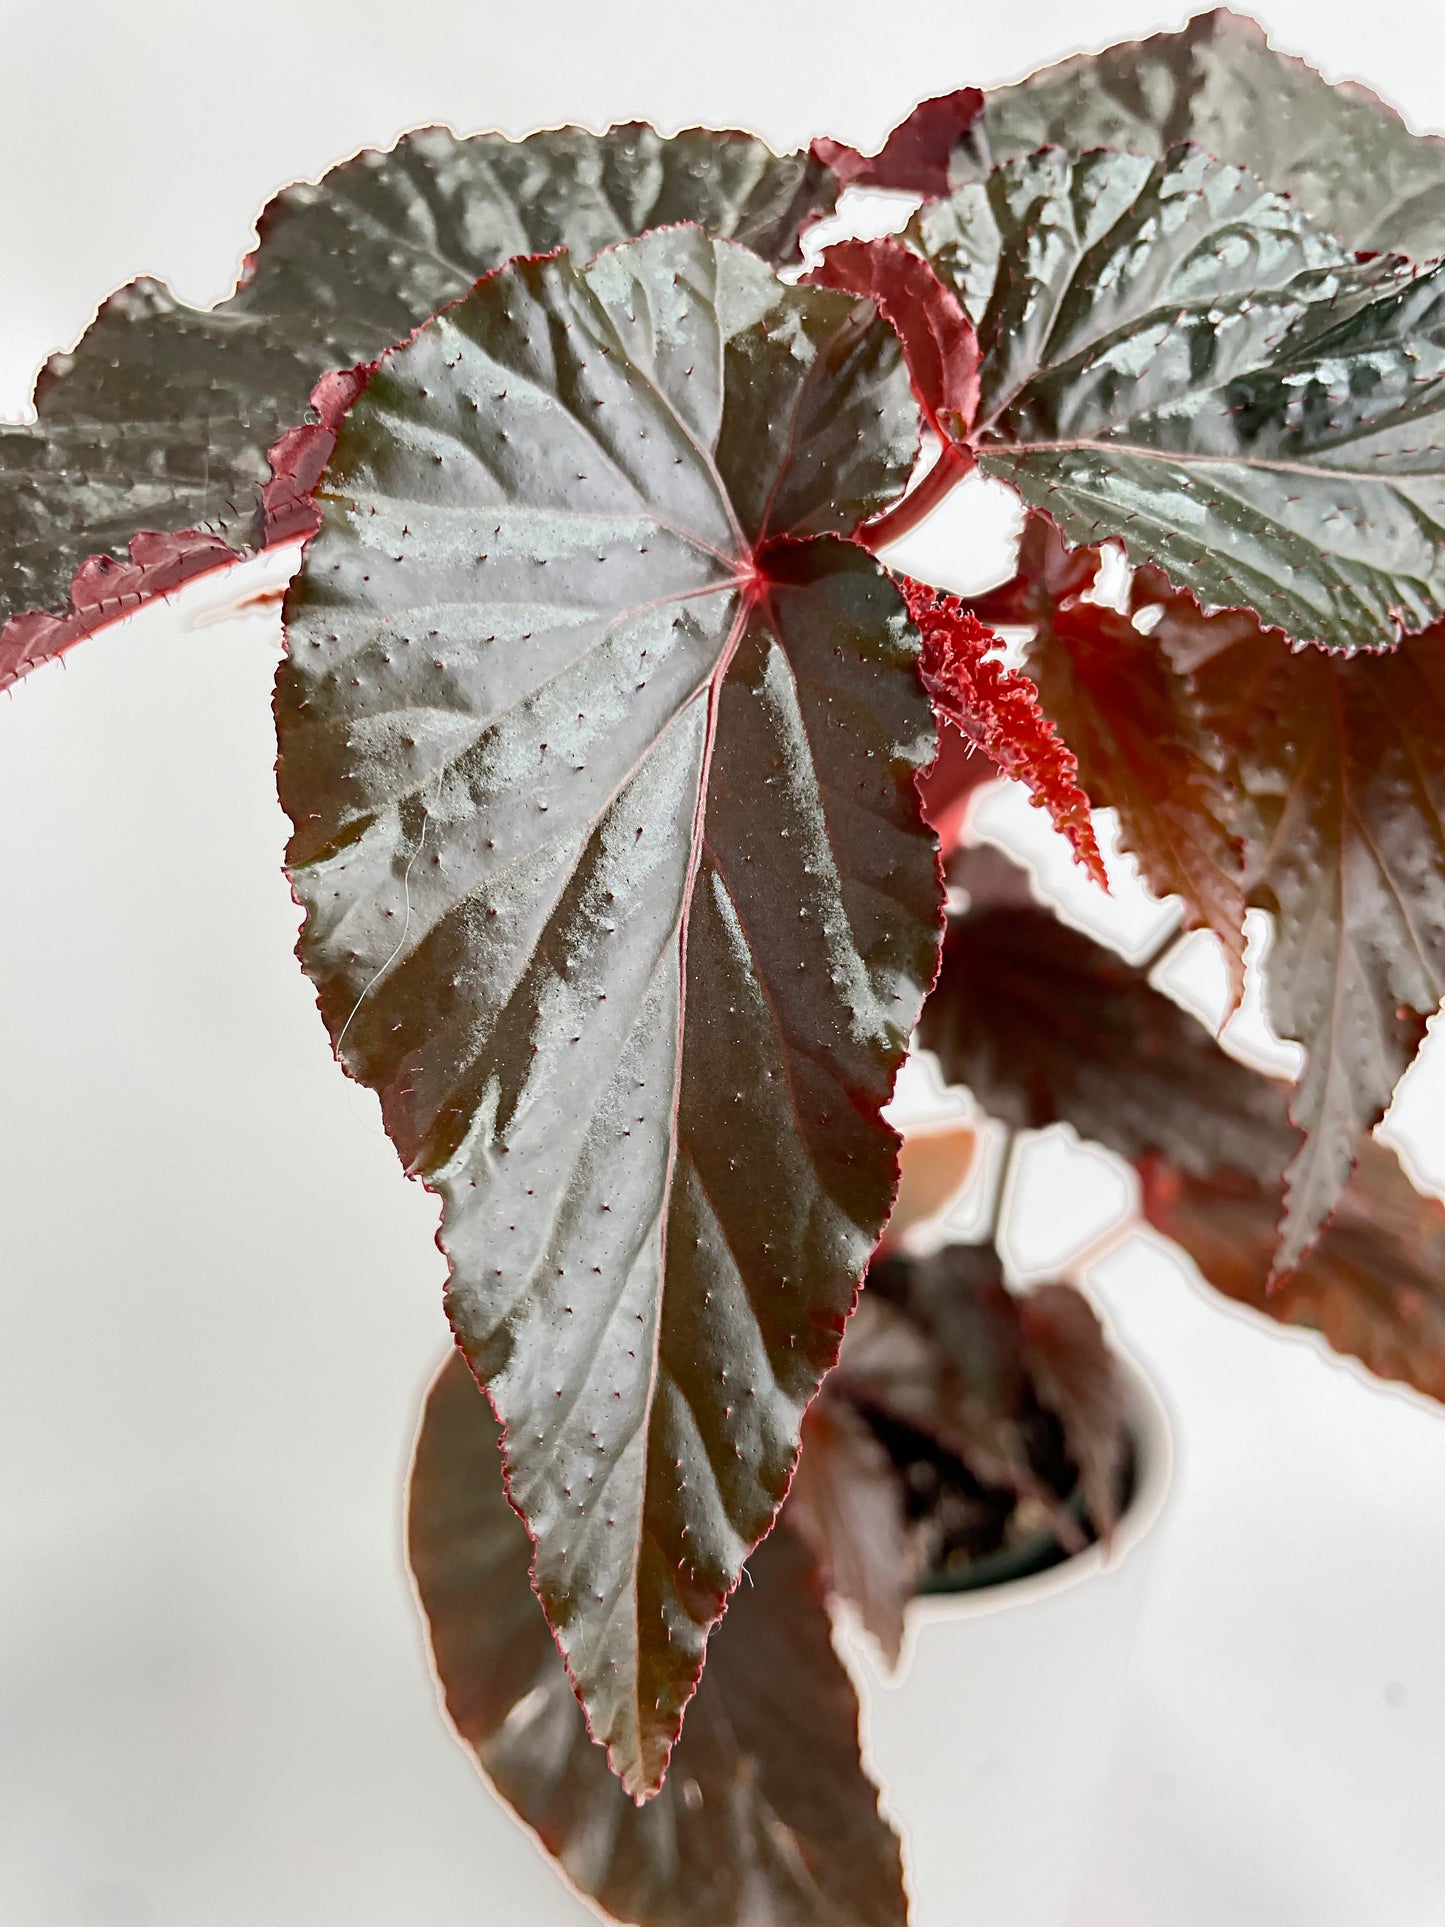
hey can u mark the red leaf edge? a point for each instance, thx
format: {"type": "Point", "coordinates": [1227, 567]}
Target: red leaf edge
{"type": "Point", "coordinates": [106, 589]}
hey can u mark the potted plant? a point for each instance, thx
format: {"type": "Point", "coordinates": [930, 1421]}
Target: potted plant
{"type": "Point", "coordinates": [621, 766]}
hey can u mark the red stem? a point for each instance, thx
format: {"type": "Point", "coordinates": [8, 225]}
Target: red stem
{"type": "Point", "coordinates": [954, 462]}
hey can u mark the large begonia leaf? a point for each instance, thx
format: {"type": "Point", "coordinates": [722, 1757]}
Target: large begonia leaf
{"type": "Point", "coordinates": [161, 418]}
{"type": "Point", "coordinates": [1127, 715]}
{"type": "Point", "coordinates": [1046, 1026]}
{"type": "Point", "coordinates": [617, 886]}
{"type": "Point", "coordinates": [1175, 356]}
{"type": "Point", "coordinates": [767, 1815]}
{"type": "Point", "coordinates": [1339, 152]}
{"type": "Point", "coordinates": [1337, 769]}
{"type": "Point", "coordinates": [1374, 1285]}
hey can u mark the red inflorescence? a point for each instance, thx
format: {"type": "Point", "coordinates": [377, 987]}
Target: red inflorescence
{"type": "Point", "coordinates": [998, 710]}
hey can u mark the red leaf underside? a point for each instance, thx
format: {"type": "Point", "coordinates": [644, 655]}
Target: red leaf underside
{"type": "Point", "coordinates": [916, 157]}
{"type": "Point", "coordinates": [106, 590]}
{"type": "Point", "coordinates": [1336, 773]}
{"type": "Point", "coordinates": [939, 343]}
{"type": "Point", "coordinates": [1371, 1285]}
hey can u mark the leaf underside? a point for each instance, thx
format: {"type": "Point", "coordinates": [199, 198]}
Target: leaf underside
{"type": "Point", "coordinates": [767, 1814]}
{"type": "Point", "coordinates": [161, 418]}
{"type": "Point", "coordinates": [939, 343]}
{"type": "Point", "coordinates": [917, 157]}
{"type": "Point", "coordinates": [1174, 356]}
{"type": "Point", "coordinates": [1348, 160]}
{"type": "Point", "coordinates": [617, 887]}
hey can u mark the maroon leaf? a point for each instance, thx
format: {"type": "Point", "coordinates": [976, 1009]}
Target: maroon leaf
{"type": "Point", "coordinates": [1337, 769]}
{"type": "Point", "coordinates": [1127, 715]}
{"type": "Point", "coordinates": [939, 344]}
{"type": "Point", "coordinates": [997, 709]}
{"type": "Point", "coordinates": [847, 1503]}
{"type": "Point", "coordinates": [916, 157]}
{"type": "Point", "coordinates": [941, 1345]}
{"type": "Point", "coordinates": [935, 1345]}
{"type": "Point", "coordinates": [601, 758]}
{"type": "Point", "coordinates": [1078, 1379]}
{"type": "Point", "coordinates": [767, 1819]}
{"type": "Point", "coordinates": [1373, 1285]}
{"type": "Point", "coordinates": [1044, 1026]}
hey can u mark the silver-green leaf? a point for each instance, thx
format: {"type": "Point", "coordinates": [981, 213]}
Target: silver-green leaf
{"type": "Point", "coordinates": [1342, 155]}
{"type": "Point", "coordinates": [1174, 356]}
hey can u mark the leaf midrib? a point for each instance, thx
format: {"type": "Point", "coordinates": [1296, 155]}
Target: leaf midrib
{"type": "Point", "coordinates": [674, 1126]}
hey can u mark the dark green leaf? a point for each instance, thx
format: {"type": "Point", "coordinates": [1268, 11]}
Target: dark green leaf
{"type": "Point", "coordinates": [617, 886]}
{"type": "Point", "coordinates": [767, 1816]}
{"type": "Point", "coordinates": [1176, 357]}
{"type": "Point", "coordinates": [1346, 158]}
{"type": "Point", "coordinates": [1046, 1026]}
{"type": "Point", "coordinates": [162, 416]}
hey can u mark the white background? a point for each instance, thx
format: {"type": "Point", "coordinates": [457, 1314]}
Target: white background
{"type": "Point", "coordinates": [218, 1299]}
